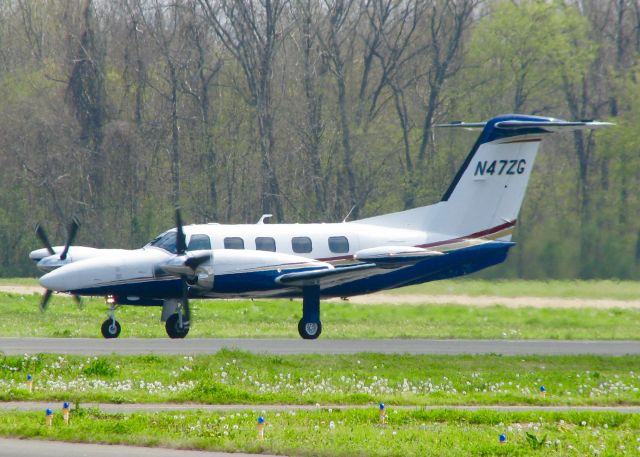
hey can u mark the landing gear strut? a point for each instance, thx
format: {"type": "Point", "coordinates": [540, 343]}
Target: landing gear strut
{"type": "Point", "coordinates": [177, 324]}
{"type": "Point", "coordinates": [310, 326]}
{"type": "Point", "coordinates": [111, 327]}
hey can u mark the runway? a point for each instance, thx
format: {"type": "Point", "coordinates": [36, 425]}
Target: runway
{"type": "Point", "coordinates": [31, 448]}
{"type": "Point", "coordinates": [194, 346]}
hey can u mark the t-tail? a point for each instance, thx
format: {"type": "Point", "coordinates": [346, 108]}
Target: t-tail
{"type": "Point", "coordinates": [485, 196]}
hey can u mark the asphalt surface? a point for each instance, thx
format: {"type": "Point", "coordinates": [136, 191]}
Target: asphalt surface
{"type": "Point", "coordinates": [191, 346]}
{"type": "Point", "coordinates": [35, 448]}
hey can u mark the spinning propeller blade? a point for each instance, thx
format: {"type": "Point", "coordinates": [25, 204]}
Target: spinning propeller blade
{"type": "Point", "coordinates": [185, 302]}
{"type": "Point", "coordinates": [195, 261]}
{"type": "Point", "coordinates": [181, 245]}
{"type": "Point", "coordinates": [45, 300]}
{"type": "Point", "coordinates": [78, 301]}
{"type": "Point", "coordinates": [192, 262]}
{"type": "Point", "coordinates": [73, 230]}
{"type": "Point", "coordinates": [42, 235]}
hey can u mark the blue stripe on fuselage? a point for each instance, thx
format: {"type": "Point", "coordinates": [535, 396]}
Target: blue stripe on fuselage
{"type": "Point", "coordinates": [452, 264]}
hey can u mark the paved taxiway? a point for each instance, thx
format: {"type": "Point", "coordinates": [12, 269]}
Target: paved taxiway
{"type": "Point", "coordinates": [191, 346]}
{"type": "Point", "coordinates": [31, 448]}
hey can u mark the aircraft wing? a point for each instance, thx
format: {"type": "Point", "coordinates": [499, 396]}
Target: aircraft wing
{"type": "Point", "coordinates": [328, 277]}
{"type": "Point", "coordinates": [375, 261]}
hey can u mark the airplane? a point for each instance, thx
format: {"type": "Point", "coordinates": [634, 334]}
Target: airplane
{"type": "Point", "coordinates": [469, 229]}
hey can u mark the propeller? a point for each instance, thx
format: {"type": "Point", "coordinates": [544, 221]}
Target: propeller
{"type": "Point", "coordinates": [71, 235]}
{"type": "Point", "coordinates": [181, 248]}
{"type": "Point", "coordinates": [42, 235]}
{"type": "Point", "coordinates": [186, 268]}
{"type": "Point", "coordinates": [45, 300]}
{"type": "Point", "coordinates": [73, 230]}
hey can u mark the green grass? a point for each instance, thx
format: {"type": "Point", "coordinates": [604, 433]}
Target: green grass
{"type": "Point", "coordinates": [355, 432]}
{"type": "Point", "coordinates": [20, 316]}
{"type": "Point", "coordinates": [595, 289]}
{"type": "Point", "coordinates": [18, 281]}
{"type": "Point", "coordinates": [237, 377]}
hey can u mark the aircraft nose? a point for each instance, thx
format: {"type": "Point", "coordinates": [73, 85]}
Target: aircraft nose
{"type": "Point", "coordinates": [57, 280]}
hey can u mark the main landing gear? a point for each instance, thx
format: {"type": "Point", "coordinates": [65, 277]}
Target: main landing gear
{"type": "Point", "coordinates": [176, 326]}
{"type": "Point", "coordinates": [111, 327]}
{"type": "Point", "coordinates": [310, 326]}
{"type": "Point", "coordinates": [176, 318]}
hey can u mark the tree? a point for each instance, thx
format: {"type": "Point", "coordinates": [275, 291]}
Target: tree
{"type": "Point", "coordinates": [87, 96]}
{"type": "Point", "coordinates": [249, 31]}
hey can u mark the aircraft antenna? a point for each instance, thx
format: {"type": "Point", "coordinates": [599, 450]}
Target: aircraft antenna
{"type": "Point", "coordinates": [349, 213]}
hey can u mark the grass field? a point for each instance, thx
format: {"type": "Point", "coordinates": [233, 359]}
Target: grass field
{"type": "Point", "coordinates": [348, 433]}
{"type": "Point", "coordinates": [233, 377]}
{"type": "Point", "coordinates": [20, 316]}
{"type": "Point", "coordinates": [237, 377]}
{"type": "Point", "coordinates": [595, 289]}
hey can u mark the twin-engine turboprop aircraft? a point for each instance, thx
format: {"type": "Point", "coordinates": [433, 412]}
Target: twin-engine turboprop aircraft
{"type": "Point", "coordinates": [469, 229]}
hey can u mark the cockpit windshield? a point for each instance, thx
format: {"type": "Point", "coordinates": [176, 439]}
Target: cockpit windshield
{"type": "Point", "coordinates": [166, 241]}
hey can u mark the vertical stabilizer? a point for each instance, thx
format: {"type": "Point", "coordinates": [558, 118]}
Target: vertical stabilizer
{"type": "Point", "coordinates": [485, 197]}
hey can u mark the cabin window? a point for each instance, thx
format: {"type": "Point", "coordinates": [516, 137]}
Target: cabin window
{"type": "Point", "coordinates": [199, 242]}
{"type": "Point", "coordinates": [338, 244]}
{"type": "Point", "coordinates": [265, 243]}
{"type": "Point", "coordinates": [166, 241]}
{"type": "Point", "coordinates": [233, 242]}
{"type": "Point", "coordinates": [301, 244]}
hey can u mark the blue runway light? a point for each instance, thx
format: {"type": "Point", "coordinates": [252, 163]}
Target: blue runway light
{"type": "Point", "coordinates": [503, 438]}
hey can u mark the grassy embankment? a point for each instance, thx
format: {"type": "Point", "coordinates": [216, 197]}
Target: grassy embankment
{"type": "Point", "coordinates": [237, 377]}
{"type": "Point", "coordinates": [20, 316]}
{"type": "Point", "coordinates": [354, 432]}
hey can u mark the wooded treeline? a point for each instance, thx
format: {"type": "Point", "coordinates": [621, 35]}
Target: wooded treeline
{"type": "Point", "coordinates": [115, 111]}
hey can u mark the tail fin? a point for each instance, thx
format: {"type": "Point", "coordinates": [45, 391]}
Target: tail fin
{"type": "Point", "coordinates": [485, 197]}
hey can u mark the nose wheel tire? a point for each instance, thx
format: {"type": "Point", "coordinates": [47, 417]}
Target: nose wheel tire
{"type": "Point", "coordinates": [111, 328]}
{"type": "Point", "coordinates": [174, 329]}
{"type": "Point", "coordinates": [309, 330]}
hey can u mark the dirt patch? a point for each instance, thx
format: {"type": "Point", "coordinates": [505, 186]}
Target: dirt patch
{"type": "Point", "coordinates": [22, 290]}
{"type": "Point", "coordinates": [484, 301]}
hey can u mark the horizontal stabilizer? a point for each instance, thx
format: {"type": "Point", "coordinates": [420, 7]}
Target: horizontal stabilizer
{"type": "Point", "coordinates": [553, 125]}
{"type": "Point", "coordinates": [547, 124]}
{"type": "Point", "coordinates": [462, 125]}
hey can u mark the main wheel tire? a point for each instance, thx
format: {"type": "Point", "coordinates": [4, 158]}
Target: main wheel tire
{"type": "Point", "coordinates": [173, 327]}
{"type": "Point", "coordinates": [111, 328]}
{"type": "Point", "coordinates": [309, 330]}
